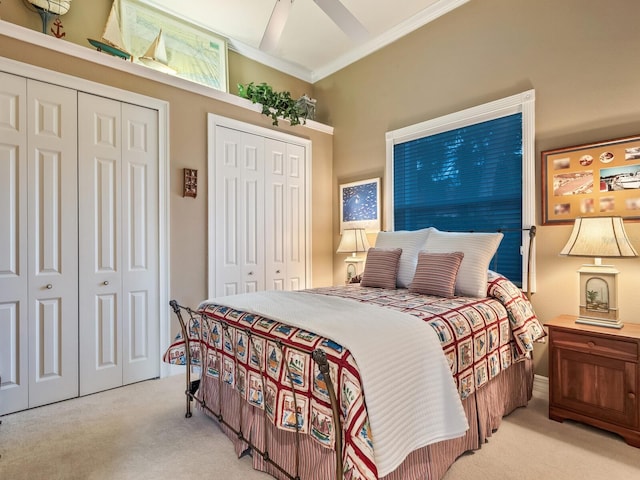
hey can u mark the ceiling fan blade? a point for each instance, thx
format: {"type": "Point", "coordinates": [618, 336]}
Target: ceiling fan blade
{"type": "Point", "coordinates": [342, 17]}
{"type": "Point", "coordinates": [276, 24]}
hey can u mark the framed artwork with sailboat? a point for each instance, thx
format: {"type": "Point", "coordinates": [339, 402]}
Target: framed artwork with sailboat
{"type": "Point", "coordinates": [136, 31]}
{"type": "Point", "coordinates": [164, 41]}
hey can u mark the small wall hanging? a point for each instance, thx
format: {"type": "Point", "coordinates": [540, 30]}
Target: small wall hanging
{"type": "Point", "coordinates": [190, 182]}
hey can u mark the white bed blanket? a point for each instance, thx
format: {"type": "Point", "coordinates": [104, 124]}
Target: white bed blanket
{"type": "Point", "coordinates": [410, 394]}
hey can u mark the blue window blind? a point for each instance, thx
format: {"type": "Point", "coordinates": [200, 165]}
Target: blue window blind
{"type": "Point", "coordinates": [466, 179]}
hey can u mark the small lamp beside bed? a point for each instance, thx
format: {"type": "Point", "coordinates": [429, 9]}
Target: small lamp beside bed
{"type": "Point", "coordinates": [353, 241]}
{"type": "Point", "coordinates": [599, 237]}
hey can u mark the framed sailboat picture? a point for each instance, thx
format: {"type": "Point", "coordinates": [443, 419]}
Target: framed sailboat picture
{"type": "Point", "coordinates": [166, 42]}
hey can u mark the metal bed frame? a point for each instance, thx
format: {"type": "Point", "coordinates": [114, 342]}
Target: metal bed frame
{"type": "Point", "coordinates": [319, 356]}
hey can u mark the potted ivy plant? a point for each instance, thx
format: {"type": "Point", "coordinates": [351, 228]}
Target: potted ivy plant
{"type": "Point", "coordinates": [274, 104]}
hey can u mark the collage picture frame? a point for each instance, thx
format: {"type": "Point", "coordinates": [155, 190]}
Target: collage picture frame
{"type": "Point", "coordinates": [596, 179]}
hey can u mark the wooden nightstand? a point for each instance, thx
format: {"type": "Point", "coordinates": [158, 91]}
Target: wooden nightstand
{"type": "Point", "coordinates": [594, 376]}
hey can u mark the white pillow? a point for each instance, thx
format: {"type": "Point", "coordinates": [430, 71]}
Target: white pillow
{"type": "Point", "coordinates": [411, 242]}
{"type": "Point", "coordinates": [478, 249]}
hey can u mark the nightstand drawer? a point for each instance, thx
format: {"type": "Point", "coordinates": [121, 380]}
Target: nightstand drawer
{"type": "Point", "coordinates": [597, 345]}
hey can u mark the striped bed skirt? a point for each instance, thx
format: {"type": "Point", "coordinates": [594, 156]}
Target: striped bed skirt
{"type": "Point", "coordinates": [485, 408]}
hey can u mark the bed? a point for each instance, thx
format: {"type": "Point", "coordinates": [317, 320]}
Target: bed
{"type": "Point", "coordinates": [400, 374]}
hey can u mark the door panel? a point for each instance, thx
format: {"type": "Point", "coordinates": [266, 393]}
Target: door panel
{"type": "Point", "coordinates": [141, 328]}
{"type": "Point", "coordinates": [14, 372]}
{"type": "Point", "coordinates": [275, 225]}
{"type": "Point", "coordinates": [100, 247]}
{"type": "Point", "coordinates": [285, 228]}
{"type": "Point", "coordinates": [295, 217]}
{"type": "Point", "coordinates": [228, 177]}
{"type": "Point", "coordinates": [240, 209]}
{"type": "Point", "coordinates": [107, 353]}
{"type": "Point", "coordinates": [53, 243]}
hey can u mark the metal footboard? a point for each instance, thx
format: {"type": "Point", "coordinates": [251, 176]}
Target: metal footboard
{"type": "Point", "coordinates": [191, 390]}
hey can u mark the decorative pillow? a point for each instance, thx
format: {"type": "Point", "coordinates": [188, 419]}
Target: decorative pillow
{"type": "Point", "coordinates": [436, 273]}
{"type": "Point", "coordinates": [478, 250]}
{"type": "Point", "coordinates": [381, 267]}
{"type": "Point", "coordinates": [411, 242]}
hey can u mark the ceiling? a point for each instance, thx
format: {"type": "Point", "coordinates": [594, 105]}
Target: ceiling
{"type": "Point", "coordinates": [311, 46]}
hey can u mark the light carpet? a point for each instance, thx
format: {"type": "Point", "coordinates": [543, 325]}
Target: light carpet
{"type": "Point", "coordinates": [140, 432]}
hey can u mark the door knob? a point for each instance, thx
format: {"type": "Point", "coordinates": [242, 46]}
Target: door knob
{"type": "Point", "coordinates": [277, 271]}
{"type": "Point", "coordinates": [49, 286]}
{"type": "Point", "coordinates": [106, 282]}
{"type": "Point", "coordinates": [250, 273]}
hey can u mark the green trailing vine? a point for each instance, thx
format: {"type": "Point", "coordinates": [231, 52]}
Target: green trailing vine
{"type": "Point", "coordinates": [274, 104]}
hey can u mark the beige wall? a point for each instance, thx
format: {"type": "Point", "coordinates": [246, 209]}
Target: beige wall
{"type": "Point", "coordinates": [188, 146]}
{"type": "Point", "coordinates": [578, 55]}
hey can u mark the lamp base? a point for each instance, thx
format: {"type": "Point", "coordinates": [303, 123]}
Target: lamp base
{"type": "Point", "coordinates": [600, 322]}
{"type": "Point", "coordinates": [353, 270]}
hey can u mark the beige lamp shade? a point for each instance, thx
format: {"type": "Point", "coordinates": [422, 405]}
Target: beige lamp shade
{"type": "Point", "coordinates": [599, 237]}
{"type": "Point", "coordinates": [354, 240]}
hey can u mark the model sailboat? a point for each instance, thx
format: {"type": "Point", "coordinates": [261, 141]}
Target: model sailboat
{"type": "Point", "coordinates": [156, 56]}
{"type": "Point", "coordinates": [111, 41]}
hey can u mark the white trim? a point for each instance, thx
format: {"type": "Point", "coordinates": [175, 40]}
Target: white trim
{"type": "Point", "coordinates": [74, 50]}
{"type": "Point", "coordinates": [520, 103]}
{"type": "Point", "coordinates": [419, 20]}
{"type": "Point", "coordinates": [64, 80]}
{"type": "Point", "coordinates": [541, 387]}
{"type": "Point", "coordinates": [214, 121]}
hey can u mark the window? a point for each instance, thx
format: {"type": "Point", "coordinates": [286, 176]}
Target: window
{"type": "Point", "coordinates": [472, 170]}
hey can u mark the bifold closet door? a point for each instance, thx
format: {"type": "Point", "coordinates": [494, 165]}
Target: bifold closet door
{"type": "Point", "coordinates": [119, 328]}
{"type": "Point", "coordinates": [14, 303]}
{"type": "Point", "coordinates": [285, 216]}
{"type": "Point", "coordinates": [240, 207]}
{"type": "Point", "coordinates": [53, 243]}
{"type": "Point", "coordinates": [38, 244]}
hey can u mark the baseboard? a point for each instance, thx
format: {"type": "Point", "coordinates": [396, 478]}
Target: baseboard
{"type": "Point", "coordinates": [541, 386]}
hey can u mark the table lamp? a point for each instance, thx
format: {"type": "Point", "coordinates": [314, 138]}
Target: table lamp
{"type": "Point", "coordinates": [599, 237]}
{"type": "Point", "coordinates": [353, 241]}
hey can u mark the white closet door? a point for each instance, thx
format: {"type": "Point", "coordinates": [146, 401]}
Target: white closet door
{"type": "Point", "coordinates": [52, 243]}
{"type": "Point", "coordinates": [14, 388]}
{"type": "Point", "coordinates": [275, 212]}
{"type": "Point", "coordinates": [141, 329]}
{"type": "Point", "coordinates": [252, 213]}
{"type": "Point", "coordinates": [100, 248]}
{"type": "Point", "coordinates": [118, 213]}
{"type": "Point", "coordinates": [239, 230]}
{"type": "Point", "coordinates": [295, 218]}
{"type": "Point", "coordinates": [285, 216]}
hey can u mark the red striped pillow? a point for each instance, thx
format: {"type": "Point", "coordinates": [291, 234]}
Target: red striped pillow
{"type": "Point", "coordinates": [381, 268]}
{"type": "Point", "coordinates": [436, 273]}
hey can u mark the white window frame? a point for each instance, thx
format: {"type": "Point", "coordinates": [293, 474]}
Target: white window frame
{"type": "Point", "coordinates": [523, 103]}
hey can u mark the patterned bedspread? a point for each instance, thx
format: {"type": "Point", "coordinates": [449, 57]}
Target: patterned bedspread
{"type": "Point", "coordinates": [480, 338]}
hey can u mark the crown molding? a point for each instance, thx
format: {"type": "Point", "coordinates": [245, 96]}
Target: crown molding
{"type": "Point", "coordinates": [419, 20]}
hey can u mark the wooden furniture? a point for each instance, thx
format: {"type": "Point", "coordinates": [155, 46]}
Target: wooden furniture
{"type": "Point", "coordinates": [594, 376]}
